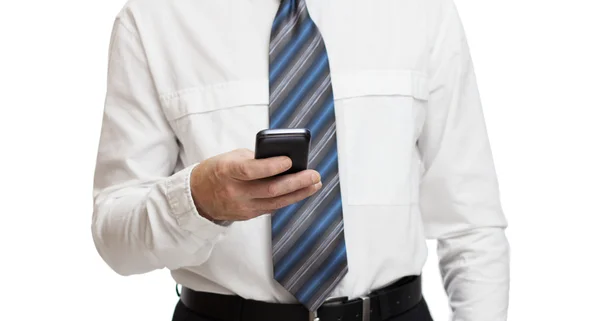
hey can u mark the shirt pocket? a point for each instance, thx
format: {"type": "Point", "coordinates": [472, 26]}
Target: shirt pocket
{"type": "Point", "coordinates": [215, 119]}
{"type": "Point", "coordinates": [377, 114]}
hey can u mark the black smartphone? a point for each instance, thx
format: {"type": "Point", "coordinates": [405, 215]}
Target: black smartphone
{"type": "Point", "coordinates": [291, 142]}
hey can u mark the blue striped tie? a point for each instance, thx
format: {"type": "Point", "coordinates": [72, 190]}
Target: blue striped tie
{"type": "Point", "coordinates": [309, 251]}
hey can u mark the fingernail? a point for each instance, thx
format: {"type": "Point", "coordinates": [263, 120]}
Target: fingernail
{"type": "Point", "coordinates": [318, 185]}
{"type": "Point", "coordinates": [288, 162]}
{"type": "Point", "coordinates": [315, 178]}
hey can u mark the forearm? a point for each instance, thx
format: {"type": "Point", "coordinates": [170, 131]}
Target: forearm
{"type": "Point", "coordinates": [152, 225]}
{"type": "Point", "coordinates": [475, 270]}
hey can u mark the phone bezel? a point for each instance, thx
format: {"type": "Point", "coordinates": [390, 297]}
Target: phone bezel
{"type": "Point", "coordinates": [290, 132]}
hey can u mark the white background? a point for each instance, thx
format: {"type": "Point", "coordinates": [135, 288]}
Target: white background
{"type": "Point", "coordinates": [538, 67]}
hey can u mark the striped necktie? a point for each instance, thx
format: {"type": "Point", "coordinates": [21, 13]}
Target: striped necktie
{"type": "Point", "coordinates": [309, 251]}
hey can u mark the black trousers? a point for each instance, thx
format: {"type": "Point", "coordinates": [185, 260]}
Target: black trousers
{"type": "Point", "coordinates": [419, 313]}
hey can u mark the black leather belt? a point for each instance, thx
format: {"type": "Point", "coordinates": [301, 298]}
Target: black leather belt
{"type": "Point", "coordinates": [380, 305]}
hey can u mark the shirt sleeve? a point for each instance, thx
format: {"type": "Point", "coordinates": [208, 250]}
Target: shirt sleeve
{"type": "Point", "coordinates": [459, 188]}
{"type": "Point", "coordinates": [144, 216]}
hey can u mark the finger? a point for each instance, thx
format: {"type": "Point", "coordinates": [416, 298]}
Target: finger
{"type": "Point", "coordinates": [252, 169]}
{"type": "Point", "coordinates": [244, 153]}
{"type": "Point", "coordinates": [282, 185]}
{"type": "Point", "coordinates": [271, 204]}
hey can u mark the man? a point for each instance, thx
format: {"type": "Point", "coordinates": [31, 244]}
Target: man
{"type": "Point", "coordinates": [399, 153]}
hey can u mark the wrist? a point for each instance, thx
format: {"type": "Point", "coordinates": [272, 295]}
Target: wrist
{"type": "Point", "coordinates": [198, 193]}
{"type": "Point", "coordinates": [197, 181]}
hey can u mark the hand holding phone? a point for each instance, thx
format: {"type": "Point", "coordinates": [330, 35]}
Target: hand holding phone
{"type": "Point", "coordinates": [241, 184]}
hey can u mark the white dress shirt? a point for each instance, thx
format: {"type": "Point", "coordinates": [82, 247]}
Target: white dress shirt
{"type": "Point", "coordinates": [188, 80]}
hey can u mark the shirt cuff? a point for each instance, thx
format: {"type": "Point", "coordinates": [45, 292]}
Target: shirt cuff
{"type": "Point", "coordinates": [181, 203]}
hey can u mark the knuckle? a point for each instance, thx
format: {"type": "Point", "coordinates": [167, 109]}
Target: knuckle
{"type": "Point", "coordinates": [222, 168]}
{"type": "Point", "coordinates": [245, 207]}
{"type": "Point", "coordinates": [297, 184]}
{"type": "Point", "coordinates": [277, 204]}
{"type": "Point", "coordinates": [272, 190]}
{"type": "Point", "coordinates": [227, 192]}
{"type": "Point", "coordinates": [241, 210]}
{"type": "Point", "coordinates": [244, 153]}
{"type": "Point", "coordinates": [243, 170]}
{"type": "Point", "coordinates": [278, 166]}
{"type": "Point", "coordinates": [230, 191]}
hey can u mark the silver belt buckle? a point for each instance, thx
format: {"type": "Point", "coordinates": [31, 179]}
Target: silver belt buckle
{"type": "Point", "coordinates": [366, 308]}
